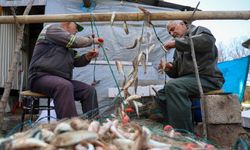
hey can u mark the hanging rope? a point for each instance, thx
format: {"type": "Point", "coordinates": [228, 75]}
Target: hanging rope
{"type": "Point", "coordinates": [93, 25]}
{"type": "Point", "coordinates": [162, 46]}
{"type": "Point", "coordinates": [93, 36]}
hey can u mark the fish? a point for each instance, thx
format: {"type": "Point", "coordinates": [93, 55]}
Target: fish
{"type": "Point", "coordinates": [27, 143]}
{"type": "Point", "coordinates": [134, 44]}
{"type": "Point", "coordinates": [79, 124]}
{"type": "Point", "coordinates": [164, 49]}
{"type": "Point", "coordinates": [105, 128]}
{"type": "Point", "coordinates": [125, 27]}
{"type": "Point", "coordinates": [163, 64]}
{"type": "Point", "coordinates": [47, 135]}
{"type": "Point", "coordinates": [141, 139]}
{"type": "Point", "coordinates": [136, 84]}
{"type": "Point", "coordinates": [62, 127]}
{"type": "Point", "coordinates": [142, 40]}
{"type": "Point", "coordinates": [137, 105]}
{"type": "Point", "coordinates": [80, 147]}
{"type": "Point", "coordinates": [123, 144]}
{"type": "Point", "coordinates": [134, 70]}
{"type": "Point", "coordinates": [73, 137]}
{"type": "Point", "coordinates": [114, 130]}
{"type": "Point", "coordinates": [143, 62]}
{"type": "Point", "coordinates": [132, 97]}
{"type": "Point", "coordinates": [91, 146]}
{"type": "Point", "coordinates": [94, 126]}
{"type": "Point", "coordinates": [151, 47]}
{"type": "Point", "coordinates": [149, 36]}
{"type": "Point", "coordinates": [157, 144]}
{"type": "Point", "coordinates": [128, 84]}
{"type": "Point", "coordinates": [147, 15]}
{"type": "Point", "coordinates": [112, 18]}
{"type": "Point", "coordinates": [119, 67]}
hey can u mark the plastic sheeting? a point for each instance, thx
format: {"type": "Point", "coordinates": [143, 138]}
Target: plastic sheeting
{"type": "Point", "coordinates": [235, 73]}
{"type": "Point", "coordinates": [116, 41]}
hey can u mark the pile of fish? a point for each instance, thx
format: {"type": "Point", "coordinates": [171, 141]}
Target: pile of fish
{"type": "Point", "coordinates": [79, 134]}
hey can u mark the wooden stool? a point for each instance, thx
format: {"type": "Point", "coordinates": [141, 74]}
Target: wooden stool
{"type": "Point", "coordinates": [31, 108]}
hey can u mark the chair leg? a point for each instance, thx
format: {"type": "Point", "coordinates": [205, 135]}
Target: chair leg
{"type": "Point", "coordinates": [22, 120]}
{"type": "Point", "coordinates": [48, 109]}
{"type": "Point", "coordinates": [32, 108]}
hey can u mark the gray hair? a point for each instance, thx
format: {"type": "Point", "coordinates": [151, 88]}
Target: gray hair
{"type": "Point", "coordinates": [174, 22]}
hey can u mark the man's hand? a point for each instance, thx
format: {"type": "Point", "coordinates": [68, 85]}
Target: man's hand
{"type": "Point", "coordinates": [170, 44]}
{"type": "Point", "coordinates": [92, 54]}
{"type": "Point", "coordinates": [98, 40]}
{"type": "Point", "coordinates": [164, 66]}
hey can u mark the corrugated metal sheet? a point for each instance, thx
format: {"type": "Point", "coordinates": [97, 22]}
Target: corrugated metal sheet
{"type": "Point", "coordinates": [7, 47]}
{"type": "Point", "coordinates": [8, 3]}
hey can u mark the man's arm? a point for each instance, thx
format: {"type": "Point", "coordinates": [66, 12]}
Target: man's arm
{"type": "Point", "coordinates": [83, 60]}
{"type": "Point", "coordinates": [203, 41]}
{"type": "Point", "coordinates": [61, 37]}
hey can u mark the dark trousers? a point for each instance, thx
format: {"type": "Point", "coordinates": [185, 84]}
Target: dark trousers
{"type": "Point", "coordinates": [64, 92]}
{"type": "Point", "coordinates": [175, 103]}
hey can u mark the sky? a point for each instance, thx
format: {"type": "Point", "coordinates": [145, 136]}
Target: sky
{"type": "Point", "coordinates": [224, 30]}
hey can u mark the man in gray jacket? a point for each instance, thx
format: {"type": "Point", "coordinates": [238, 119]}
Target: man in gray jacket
{"type": "Point", "coordinates": [174, 98]}
{"type": "Point", "coordinates": [51, 67]}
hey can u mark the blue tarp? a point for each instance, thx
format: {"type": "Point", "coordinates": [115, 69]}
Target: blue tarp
{"type": "Point", "coordinates": [235, 73]}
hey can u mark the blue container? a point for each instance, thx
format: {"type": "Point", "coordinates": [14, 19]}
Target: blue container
{"type": "Point", "coordinates": [196, 108]}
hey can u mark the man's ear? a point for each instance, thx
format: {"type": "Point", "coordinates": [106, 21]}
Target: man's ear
{"type": "Point", "coordinates": [185, 23]}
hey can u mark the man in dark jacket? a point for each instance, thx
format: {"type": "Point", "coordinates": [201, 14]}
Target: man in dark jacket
{"type": "Point", "coordinates": [173, 99]}
{"type": "Point", "coordinates": [52, 64]}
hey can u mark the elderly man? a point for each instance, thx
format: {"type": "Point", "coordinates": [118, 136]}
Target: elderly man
{"type": "Point", "coordinates": [52, 64]}
{"type": "Point", "coordinates": [173, 99]}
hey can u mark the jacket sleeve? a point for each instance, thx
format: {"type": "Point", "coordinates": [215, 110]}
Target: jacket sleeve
{"type": "Point", "coordinates": [63, 38]}
{"type": "Point", "coordinates": [202, 38]}
{"type": "Point", "coordinates": [80, 61]}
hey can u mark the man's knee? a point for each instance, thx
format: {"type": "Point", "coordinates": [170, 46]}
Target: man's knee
{"type": "Point", "coordinates": [170, 87]}
{"type": "Point", "coordinates": [65, 86]}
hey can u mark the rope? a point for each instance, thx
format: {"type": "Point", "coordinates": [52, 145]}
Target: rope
{"type": "Point", "coordinates": [93, 35]}
{"type": "Point", "coordinates": [240, 144]}
{"type": "Point", "coordinates": [162, 44]}
{"type": "Point", "coordinates": [106, 57]}
{"type": "Point", "coordinates": [18, 126]}
{"type": "Point", "coordinates": [93, 25]}
{"type": "Point", "coordinates": [45, 117]}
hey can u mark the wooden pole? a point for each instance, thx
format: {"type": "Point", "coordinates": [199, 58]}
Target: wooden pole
{"type": "Point", "coordinates": [13, 67]}
{"type": "Point", "coordinates": [168, 15]}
